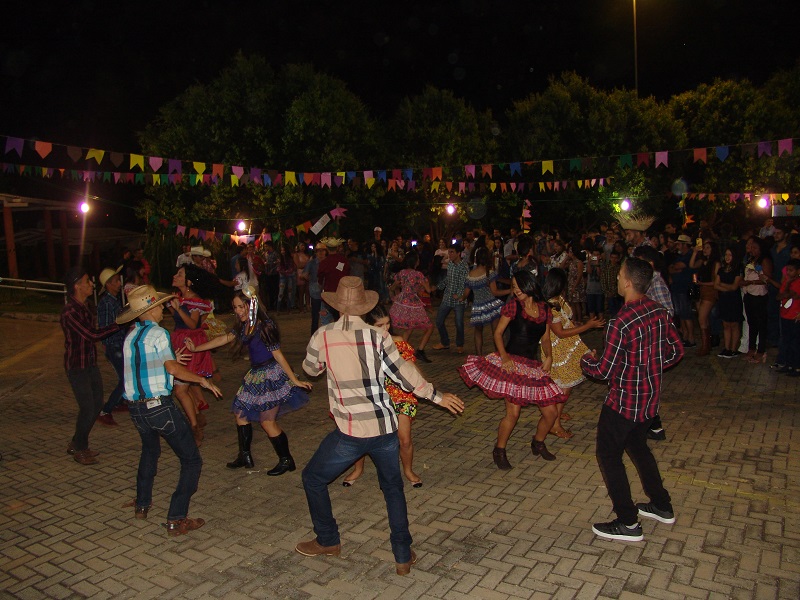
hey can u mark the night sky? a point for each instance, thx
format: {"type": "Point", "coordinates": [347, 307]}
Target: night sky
{"type": "Point", "coordinates": [91, 73]}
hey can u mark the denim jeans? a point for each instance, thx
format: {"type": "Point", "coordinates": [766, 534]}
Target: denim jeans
{"type": "Point", "coordinates": [316, 305]}
{"type": "Point", "coordinates": [789, 354]}
{"type": "Point", "coordinates": [615, 436]}
{"type": "Point", "coordinates": [287, 288]}
{"type": "Point", "coordinates": [335, 454]}
{"type": "Point", "coordinates": [327, 315]}
{"type": "Point", "coordinates": [114, 356]}
{"type": "Point", "coordinates": [594, 304]}
{"type": "Point", "coordinates": [165, 421]}
{"type": "Point", "coordinates": [444, 310]}
{"type": "Point", "coordinates": [87, 385]}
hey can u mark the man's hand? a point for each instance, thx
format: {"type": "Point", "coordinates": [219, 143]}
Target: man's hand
{"type": "Point", "coordinates": [452, 403]}
{"type": "Point", "coordinates": [183, 357]}
{"type": "Point", "coordinates": [207, 384]}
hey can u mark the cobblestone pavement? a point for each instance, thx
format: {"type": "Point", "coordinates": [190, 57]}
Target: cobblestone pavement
{"type": "Point", "coordinates": [730, 462]}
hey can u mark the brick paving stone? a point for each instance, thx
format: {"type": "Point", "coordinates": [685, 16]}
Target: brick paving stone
{"type": "Point", "coordinates": [730, 463]}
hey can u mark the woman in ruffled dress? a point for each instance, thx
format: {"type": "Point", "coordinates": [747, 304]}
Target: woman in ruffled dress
{"type": "Point", "coordinates": [486, 297]}
{"type": "Point", "coordinates": [567, 346]}
{"type": "Point", "coordinates": [190, 310]}
{"type": "Point", "coordinates": [408, 311]}
{"type": "Point", "coordinates": [269, 389]}
{"type": "Point", "coordinates": [513, 373]}
{"type": "Point", "coordinates": [405, 404]}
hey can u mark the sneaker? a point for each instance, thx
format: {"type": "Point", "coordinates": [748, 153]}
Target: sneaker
{"type": "Point", "coordinates": [777, 366]}
{"type": "Point", "coordinates": [651, 511]}
{"type": "Point", "coordinates": [656, 434]}
{"type": "Point", "coordinates": [725, 354]}
{"type": "Point", "coordinates": [615, 530]}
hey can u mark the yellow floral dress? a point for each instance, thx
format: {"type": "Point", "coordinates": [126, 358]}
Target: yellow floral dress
{"type": "Point", "coordinates": [567, 352]}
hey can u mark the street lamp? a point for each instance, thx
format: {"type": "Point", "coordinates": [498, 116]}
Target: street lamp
{"type": "Point", "coordinates": [635, 54]}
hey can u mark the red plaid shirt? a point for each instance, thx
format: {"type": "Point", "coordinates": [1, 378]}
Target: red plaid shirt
{"type": "Point", "coordinates": [641, 341]}
{"type": "Point", "coordinates": [80, 335]}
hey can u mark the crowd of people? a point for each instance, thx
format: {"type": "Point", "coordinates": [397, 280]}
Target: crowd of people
{"type": "Point", "coordinates": [656, 292]}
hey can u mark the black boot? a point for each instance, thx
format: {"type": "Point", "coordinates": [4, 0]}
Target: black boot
{"type": "Point", "coordinates": [285, 462]}
{"type": "Point", "coordinates": [500, 459]}
{"type": "Point", "coordinates": [539, 449]}
{"type": "Point", "coordinates": [245, 459]}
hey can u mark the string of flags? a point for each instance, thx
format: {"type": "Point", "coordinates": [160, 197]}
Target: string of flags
{"type": "Point", "coordinates": [266, 236]}
{"type": "Point", "coordinates": [48, 159]}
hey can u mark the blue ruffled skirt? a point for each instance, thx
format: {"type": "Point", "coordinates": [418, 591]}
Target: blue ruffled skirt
{"type": "Point", "coordinates": [266, 393]}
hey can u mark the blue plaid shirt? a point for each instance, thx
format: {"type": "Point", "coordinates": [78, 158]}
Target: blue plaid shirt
{"type": "Point", "coordinates": [454, 283]}
{"type": "Point", "coordinates": [147, 347]}
{"type": "Point", "coordinates": [108, 307]}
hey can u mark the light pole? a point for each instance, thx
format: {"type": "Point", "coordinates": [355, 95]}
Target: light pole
{"type": "Point", "coordinates": [635, 54]}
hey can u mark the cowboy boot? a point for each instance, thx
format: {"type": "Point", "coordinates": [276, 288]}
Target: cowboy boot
{"type": "Point", "coordinates": [245, 459]}
{"type": "Point", "coordinates": [539, 449]}
{"type": "Point", "coordinates": [285, 460]}
{"type": "Point", "coordinates": [705, 336]}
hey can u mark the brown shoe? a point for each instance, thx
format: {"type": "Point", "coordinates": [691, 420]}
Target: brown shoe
{"type": "Point", "coordinates": [71, 450]}
{"type": "Point", "coordinates": [140, 512]}
{"type": "Point", "coordinates": [182, 526]}
{"type": "Point", "coordinates": [84, 457]}
{"type": "Point", "coordinates": [405, 568]}
{"type": "Point", "coordinates": [107, 420]}
{"type": "Point", "coordinates": [313, 548]}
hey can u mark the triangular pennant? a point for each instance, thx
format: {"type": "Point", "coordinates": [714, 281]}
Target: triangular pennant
{"type": "Point", "coordinates": [722, 153]}
{"type": "Point", "coordinates": [15, 144]}
{"type": "Point", "coordinates": [700, 155]}
{"type": "Point", "coordinates": [469, 171]}
{"type": "Point", "coordinates": [97, 155]}
{"type": "Point", "coordinates": [662, 158]}
{"type": "Point", "coordinates": [74, 153]}
{"type": "Point", "coordinates": [764, 148]}
{"type": "Point", "coordinates": [547, 167]}
{"type": "Point", "coordinates": [785, 146]}
{"type": "Point", "coordinates": [45, 148]}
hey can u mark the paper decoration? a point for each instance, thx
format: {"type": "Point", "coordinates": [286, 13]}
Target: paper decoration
{"type": "Point", "coordinates": [320, 224]}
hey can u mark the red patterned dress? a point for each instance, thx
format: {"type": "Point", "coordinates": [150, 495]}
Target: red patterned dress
{"type": "Point", "coordinates": [528, 384]}
{"type": "Point", "coordinates": [404, 403]}
{"type": "Point", "coordinates": [408, 311]}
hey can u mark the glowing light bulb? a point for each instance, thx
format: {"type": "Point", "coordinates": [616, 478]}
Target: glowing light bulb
{"type": "Point", "coordinates": [625, 204]}
{"type": "Point", "coordinates": [451, 209]}
{"type": "Point", "coordinates": [241, 226]}
{"type": "Point", "coordinates": [84, 207]}
{"type": "Point", "coordinates": [763, 202]}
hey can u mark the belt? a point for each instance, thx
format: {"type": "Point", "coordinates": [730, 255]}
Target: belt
{"type": "Point", "coordinates": [151, 402]}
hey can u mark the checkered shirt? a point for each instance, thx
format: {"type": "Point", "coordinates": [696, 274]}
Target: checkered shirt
{"type": "Point", "coordinates": [659, 291]}
{"type": "Point", "coordinates": [147, 347]}
{"type": "Point", "coordinates": [641, 341]}
{"type": "Point", "coordinates": [358, 359]}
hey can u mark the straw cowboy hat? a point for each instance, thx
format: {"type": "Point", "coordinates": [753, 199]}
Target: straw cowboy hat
{"type": "Point", "coordinates": [351, 298]}
{"type": "Point", "coordinates": [332, 242]}
{"type": "Point", "coordinates": [107, 274]}
{"type": "Point", "coordinates": [200, 251]}
{"type": "Point", "coordinates": [140, 300]}
{"type": "Point", "coordinates": [636, 223]}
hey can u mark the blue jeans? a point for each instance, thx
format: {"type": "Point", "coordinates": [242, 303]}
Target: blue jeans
{"type": "Point", "coordinates": [594, 304]}
{"type": "Point", "coordinates": [335, 454]}
{"type": "Point", "coordinates": [114, 356]}
{"type": "Point", "coordinates": [789, 353]}
{"type": "Point", "coordinates": [287, 288]}
{"type": "Point", "coordinates": [165, 421]}
{"type": "Point", "coordinates": [316, 305]}
{"type": "Point", "coordinates": [444, 310]}
{"type": "Point", "coordinates": [87, 385]}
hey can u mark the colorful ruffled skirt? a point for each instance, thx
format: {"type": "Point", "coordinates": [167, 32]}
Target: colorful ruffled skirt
{"type": "Point", "coordinates": [408, 316]}
{"type": "Point", "coordinates": [266, 393]}
{"type": "Point", "coordinates": [527, 385]}
{"type": "Point", "coordinates": [486, 313]}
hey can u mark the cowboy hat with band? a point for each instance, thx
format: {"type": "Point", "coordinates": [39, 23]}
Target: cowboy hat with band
{"type": "Point", "coordinates": [140, 300]}
{"type": "Point", "coordinates": [351, 298]}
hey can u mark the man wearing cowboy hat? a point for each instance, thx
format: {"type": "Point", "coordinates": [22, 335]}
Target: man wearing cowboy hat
{"type": "Point", "coordinates": [150, 366]}
{"type": "Point", "coordinates": [635, 228]}
{"type": "Point", "coordinates": [332, 268]}
{"type": "Point", "coordinates": [357, 357]}
{"type": "Point", "coordinates": [80, 360]}
{"type": "Point", "coordinates": [108, 307]}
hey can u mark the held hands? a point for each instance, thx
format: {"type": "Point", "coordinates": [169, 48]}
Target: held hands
{"type": "Point", "coordinates": [596, 322]}
{"type": "Point", "coordinates": [508, 365]}
{"type": "Point", "coordinates": [207, 384]}
{"type": "Point", "coordinates": [189, 345]}
{"type": "Point", "coordinates": [452, 403]}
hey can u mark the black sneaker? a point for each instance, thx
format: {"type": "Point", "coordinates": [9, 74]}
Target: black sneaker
{"type": "Point", "coordinates": [420, 354]}
{"type": "Point", "coordinates": [618, 531]}
{"type": "Point", "coordinates": [656, 434]}
{"type": "Point", "coordinates": [725, 354]}
{"type": "Point", "coordinates": [651, 511]}
{"type": "Point", "coordinates": [777, 366]}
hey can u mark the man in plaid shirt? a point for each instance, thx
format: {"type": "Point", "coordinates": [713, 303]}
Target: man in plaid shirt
{"type": "Point", "coordinates": [640, 342]}
{"type": "Point", "coordinates": [357, 358]}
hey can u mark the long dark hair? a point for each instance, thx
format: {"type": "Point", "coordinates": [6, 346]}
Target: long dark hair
{"type": "Point", "coordinates": [204, 284]}
{"type": "Point", "coordinates": [707, 271]}
{"type": "Point", "coordinates": [554, 284]}
{"type": "Point", "coordinates": [482, 258]}
{"type": "Point", "coordinates": [528, 285]}
{"type": "Point", "coordinates": [376, 314]}
{"type": "Point", "coordinates": [265, 327]}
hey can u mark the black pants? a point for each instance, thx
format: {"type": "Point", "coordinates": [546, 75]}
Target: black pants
{"type": "Point", "coordinates": [615, 436]}
{"type": "Point", "coordinates": [87, 385]}
{"type": "Point", "coordinates": [755, 307]}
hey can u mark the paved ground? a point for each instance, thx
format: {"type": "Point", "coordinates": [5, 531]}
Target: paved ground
{"type": "Point", "coordinates": [730, 462]}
